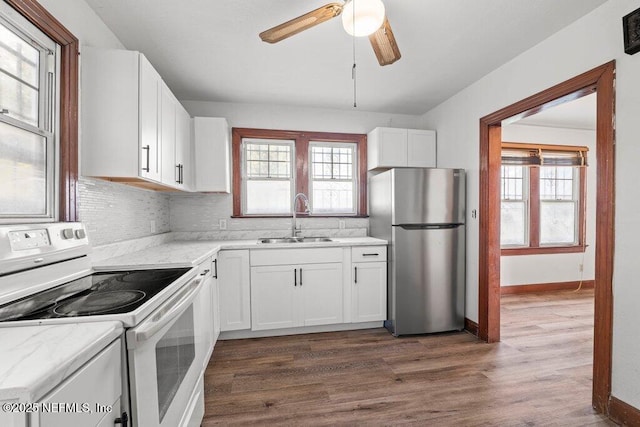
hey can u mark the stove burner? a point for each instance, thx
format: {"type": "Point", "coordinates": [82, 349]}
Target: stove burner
{"type": "Point", "coordinates": [98, 302]}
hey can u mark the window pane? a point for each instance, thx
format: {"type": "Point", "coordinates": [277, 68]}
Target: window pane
{"type": "Point", "coordinates": [18, 58]}
{"type": "Point", "coordinates": [332, 197]}
{"type": "Point", "coordinates": [23, 183]}
{"type": "Point", "coordinates": [268, 160]}
{"type": "Point", "coordinates": [557, 223]}
{"type": "Point", "coordinates": [512, 183]}
{"type": "Point", "coordinates": [332, 162]}
{"type": "Point", "coordinates": [20, 100]}
{"type": "Point", "coordinates": [513, 224]}
{"type": "Point", "coordinates": [556, 183]}
{"type": "Point", "coordinates": [268, 197]}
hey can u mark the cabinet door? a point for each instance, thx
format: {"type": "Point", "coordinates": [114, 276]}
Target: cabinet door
{"type": "Point", "coordinates": [389, 147]}
{"type": "Point", "coordinates": [212, 154]}
{"type": "Point", "coordinates": [234, 285]}
{"type": "Point", "coordinates": [321, 286]}
{"type": "Point", "coordinates": [369, 291]}
{"type": "Point", "coordinates": [274, 290]}
{"type": "Point", "coordinates": [183, 148]}
{"type": "Point", "coordinates": [421, 148]}
{"type": "Point", "coordinates": [215, 300]}
{"type": "Point", "coordinates": [169, 171]}
{"type": "Point", "coordinates": [149, 113]}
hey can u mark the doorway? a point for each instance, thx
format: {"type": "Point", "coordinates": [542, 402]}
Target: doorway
{"type": "Point", "coordinates": [601, 81]}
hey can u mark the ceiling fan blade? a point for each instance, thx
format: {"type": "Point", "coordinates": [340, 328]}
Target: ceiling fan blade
{"type": "Point", "coordinates": [301, 23]}
{"type": "Point", "coordinates": [384, 44]}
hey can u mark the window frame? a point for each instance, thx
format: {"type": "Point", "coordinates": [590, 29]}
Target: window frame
{"type": "Point", "coordinates": [354, 180]}
{"type": "Point", "coordinates": [67, 107]}
{"type": "Point", "coordinates": [302, 165]}
{"type": "Point", "coordinates": [534, 247]}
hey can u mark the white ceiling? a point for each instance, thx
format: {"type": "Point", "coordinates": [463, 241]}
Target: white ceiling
{"type": "Point", "coordinates": [209, 50]}
{"type": "Point", "coordinates": [576, 114]}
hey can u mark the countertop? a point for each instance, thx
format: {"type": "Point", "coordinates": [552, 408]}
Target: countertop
{"type": "Point", "coordinates": [35, 359]}
{"type": "Point", "coordinates": [180, 253]}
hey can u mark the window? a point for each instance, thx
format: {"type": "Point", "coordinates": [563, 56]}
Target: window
{"type": "Point", "coordinates": [271, 166]}
{"type": "Point", "coordinates": [38, 123]}
{"type": "Point", "coordinates": [542, 199]}
{"type": "Point", "coordinates": [333, 185]}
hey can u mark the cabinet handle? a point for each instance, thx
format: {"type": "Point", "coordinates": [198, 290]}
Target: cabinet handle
{"type": "Point", "coordinates": [177, 174]}
{"type": "Point", "coordinates": [295, 277]}
{"type": "Point", "coordinates": [370, 254]}
{"type": "Point", "coordinates": [215, 268]}
{"type": "Point", "coordinates": [123, 420]}
{"type": "Point", "coordinates": [300, 277]}
{"type": "Point", "coordinates": [356, 274]}
{"type": "Point", "coordinates": [204, 273]}
{"type": "Point", "coordinates": [181, 174]}
{"type": "Point", "coordinates": [146, 147]}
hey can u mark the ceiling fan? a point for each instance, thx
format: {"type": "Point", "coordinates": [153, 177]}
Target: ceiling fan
{"type": "Point", "coordinates": [359, 18]}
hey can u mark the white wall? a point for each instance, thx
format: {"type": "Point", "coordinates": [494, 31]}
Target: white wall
{"type": "Point", "coordinates": [298, 118]}
{"type": "Point", "coordinates": [533, 269]}
{"type": "Point", "coordinates": [589, 42]}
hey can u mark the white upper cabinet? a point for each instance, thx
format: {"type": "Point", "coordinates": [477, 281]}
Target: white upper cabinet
{"type": "Point", "coordinates": [212, 154]}
{"type": "Point", "coordinates": [131, 122]}
{"type": "Point", "coordinates": [396, 147]}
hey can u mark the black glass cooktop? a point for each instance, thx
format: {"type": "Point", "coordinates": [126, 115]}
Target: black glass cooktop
{"type": "Point", "coordinates": [98, 293]}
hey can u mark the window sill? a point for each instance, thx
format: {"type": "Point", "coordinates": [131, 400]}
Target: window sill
{"type": "Point", "coordinates": [300, 216]}
{"type": "Point", "coordinates": [543, 250]}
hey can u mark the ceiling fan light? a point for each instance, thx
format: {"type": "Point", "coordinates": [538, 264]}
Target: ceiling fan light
{"type": "Point", "coordinates": [369, 16]}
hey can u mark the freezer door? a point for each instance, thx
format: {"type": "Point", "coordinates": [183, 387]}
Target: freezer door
{"type": "Point", "coordinates": [427, 280]}
{"type": "Point", "coordinates": [428, 196]}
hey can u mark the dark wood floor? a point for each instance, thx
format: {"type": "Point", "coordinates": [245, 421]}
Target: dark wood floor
{"type": "Point", "coordinates": [539, 375]}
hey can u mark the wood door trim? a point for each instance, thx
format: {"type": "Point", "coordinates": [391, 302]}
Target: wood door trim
{"type": "Point", "coordinates": [623, 413]}
{"type": "Point", "coordinates": [601, 80]}
{"type": "Point", "coordinates": [35, 13]}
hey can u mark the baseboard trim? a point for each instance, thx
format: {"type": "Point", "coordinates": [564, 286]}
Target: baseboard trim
{"type": "Point", "coordinates": [623, 413]}
{"type": "Point", "coordinates": [471, 327]}
{"type": "Point", "coordinates": [546, 287]}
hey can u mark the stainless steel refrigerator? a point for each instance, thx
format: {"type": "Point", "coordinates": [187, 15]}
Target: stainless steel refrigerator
{"type": "Point", "coordinates": [421, 212]}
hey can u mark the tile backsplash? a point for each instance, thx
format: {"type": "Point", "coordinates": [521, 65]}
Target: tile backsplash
{"type": "Point", "coordinates": [197, 216]}
{"type": "Point", "coordinates": [115, 212]}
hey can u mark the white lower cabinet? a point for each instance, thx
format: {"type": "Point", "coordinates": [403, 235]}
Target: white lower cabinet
{"type": "Point", "coordinates": [287, 296]}
{"type": "Point", "coordinates": [234, 287]}
{"type": "Point", "coordinates": [369, 291]}
{"type": "Point", "coordinates": [89, 397]}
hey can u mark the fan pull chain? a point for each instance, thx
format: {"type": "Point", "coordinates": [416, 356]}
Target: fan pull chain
{"type": "Point", "coordinates": [353, 69]}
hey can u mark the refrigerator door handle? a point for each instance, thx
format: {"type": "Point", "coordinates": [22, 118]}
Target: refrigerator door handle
{"type": "Point", "coordinates": [430, 226]}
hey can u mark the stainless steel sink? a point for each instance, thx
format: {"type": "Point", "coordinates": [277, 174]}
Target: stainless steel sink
{"type": "Point", "coordinates": [294, 239]}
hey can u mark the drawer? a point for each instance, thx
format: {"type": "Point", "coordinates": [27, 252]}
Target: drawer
{"type": "Point", "coordinates": [295, 256]}
{"type": "Point", "coordinates": [368, 253]}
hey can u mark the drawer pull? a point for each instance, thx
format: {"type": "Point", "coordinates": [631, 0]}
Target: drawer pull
{"type": "Point", "coordinates": [370, 254]}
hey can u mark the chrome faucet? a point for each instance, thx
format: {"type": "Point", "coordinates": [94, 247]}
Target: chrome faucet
{"type": "Point", "coordinates": [306, 210]}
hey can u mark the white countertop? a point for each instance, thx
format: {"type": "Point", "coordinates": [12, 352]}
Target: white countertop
{"type": "Point", "coordinates": [180, 253]}
{"type": "Point", "coordinates": [35, 359]}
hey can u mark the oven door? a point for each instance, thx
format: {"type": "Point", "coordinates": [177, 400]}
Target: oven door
{"type": "Point", "coordinates": [166, 354]}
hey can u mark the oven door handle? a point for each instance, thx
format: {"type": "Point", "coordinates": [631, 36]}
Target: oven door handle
{"type": "Point", "coordinates": [165, 313]}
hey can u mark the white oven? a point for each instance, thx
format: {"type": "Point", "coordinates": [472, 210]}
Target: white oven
{"type": "Point", "coordinates": [166, 353]}
{"type": "Point", "coordinates": [46, 278]}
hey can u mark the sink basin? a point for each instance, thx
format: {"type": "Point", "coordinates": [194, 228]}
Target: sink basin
{"type": "Point", "coordinates": [294, 239]}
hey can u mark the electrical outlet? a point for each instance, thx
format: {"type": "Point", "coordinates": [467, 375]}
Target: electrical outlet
{"type": "Point", "coordinates": [474, 214]}
{"type": "Point", "coordinates": [341, 224]}
{"type": "Point", "coordinates": [222, 224]}
{"type": "Point", "coordinates": [152, 226]}
{"type": "Point", "coordinates": [581, 267]}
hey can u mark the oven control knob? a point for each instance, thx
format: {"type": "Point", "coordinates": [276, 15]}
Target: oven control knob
{"type": "Point", "coordinates": [67, 233]}
{"type": "Point", "coordinates": [80, 233]}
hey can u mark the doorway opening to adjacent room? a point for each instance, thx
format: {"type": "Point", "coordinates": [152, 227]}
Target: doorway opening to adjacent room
{"type": "Point", "coordinates": [600, 80]}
